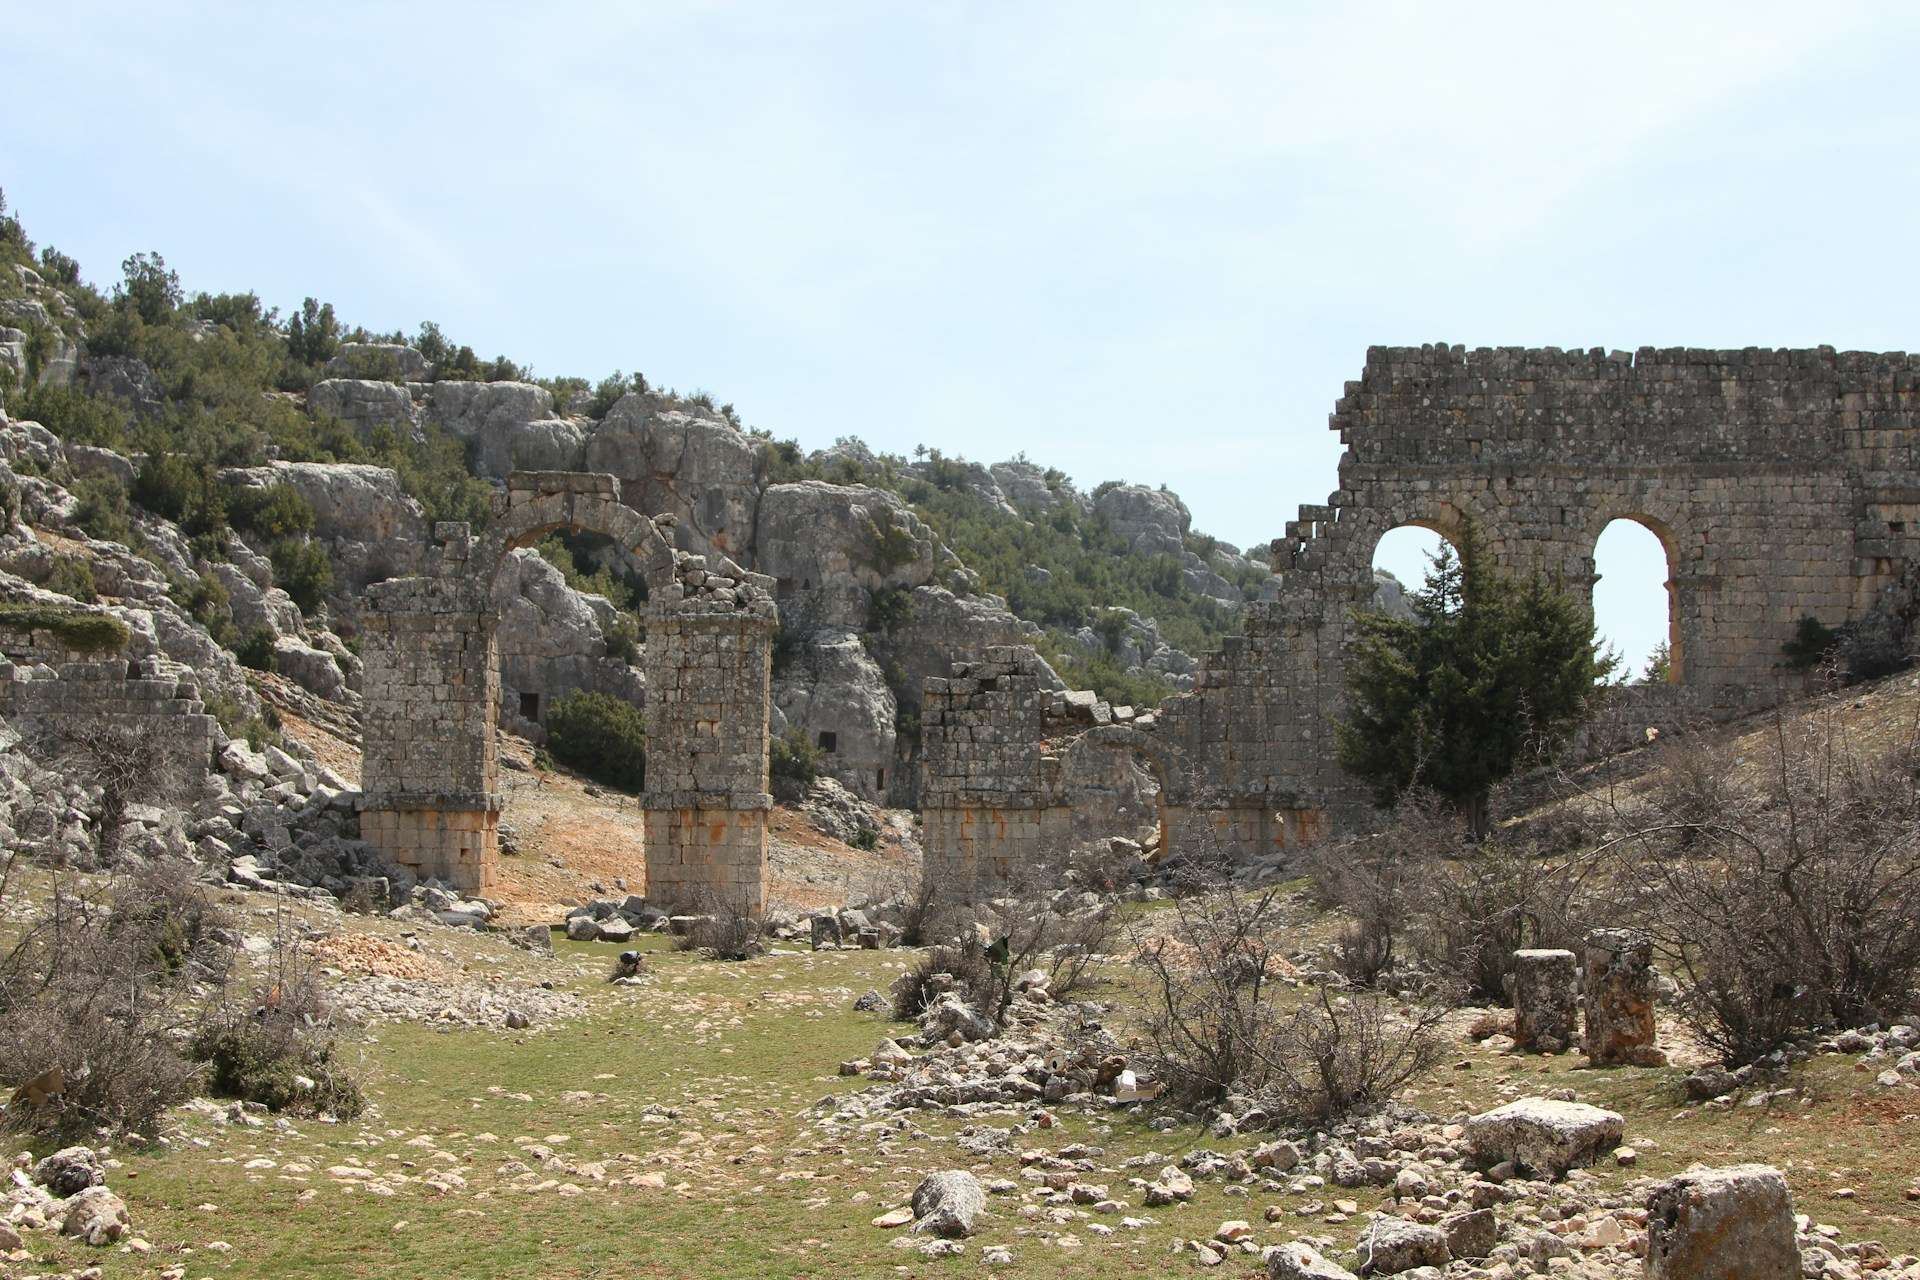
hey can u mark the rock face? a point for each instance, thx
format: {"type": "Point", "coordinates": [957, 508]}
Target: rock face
{"type": "Point", "coordinates": [552, 641]}
{"type": "Point", "coordinates": [125, 379]}
{"type": "Point", "coordinates": [1545, 1137]}
{"type": "Point", "coordinates": [1545, 1000]}
{"type": "Point", "coordinates": [511, 426]}
{"type": "Point", "coordinates": [836, 689]}
{"type": "Point", "coordinates": [361, 404]}
{"type": "Point", "coordinates": [814, 536]}
{"type": "Point", "coordinates": [946, 1204]}
{"type": "Point", "coordinates": [1153, 521]}
{"type": "Point", "coordinates": [1620, 990]}
{"type": "Point", "coordinates": [369, 526]}
{"type": "Point", "coordinates": [389, 360]}
{"type": "Point", "coordinates": [675, 458]}
{"type": "Point", "coordinates": [1722, 1224]}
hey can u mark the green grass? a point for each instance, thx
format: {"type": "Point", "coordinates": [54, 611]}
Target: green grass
{"type": "Point", "coordinates": [751, 1189]}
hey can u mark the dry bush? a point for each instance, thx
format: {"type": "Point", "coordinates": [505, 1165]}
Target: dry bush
{"type": "Point", "coordinates": [722, 928]}
{"type": "Point", "coordinates": [961, 966]}
{"type": "Point", "coordinates": [274, 1043]}
{"type": "Point", "coordinates": [921, 912]}
{"type": "Point", "coordinates": [98, 993]}
{"type": "Point", "coordinates": [128, 762]}
{"type": "Point", "coordinates": [1217, 1026]}
{"type": "Point", "coordinates": [1787, 906]}
{"type": "Point", "coordinates": [1424, 900]}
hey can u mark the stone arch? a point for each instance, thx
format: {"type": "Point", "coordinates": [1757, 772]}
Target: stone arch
{"type": "Point", "coordinates": [431, 771]}
{"type": "Point", "coordinates": [1169, 762]}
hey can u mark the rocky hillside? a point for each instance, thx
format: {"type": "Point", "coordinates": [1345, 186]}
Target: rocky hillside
{"type": "Point", "coordinates": [232, 479]}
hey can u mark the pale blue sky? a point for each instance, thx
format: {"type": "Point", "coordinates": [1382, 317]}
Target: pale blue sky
{"type": "Point", "coordinates": [1135, 241]}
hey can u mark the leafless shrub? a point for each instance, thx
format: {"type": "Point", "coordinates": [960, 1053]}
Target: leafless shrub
{"type": "Point", "coordinates": [1221, 1023]}
{"type": "Point", "coordinates": [273, 1043]}
{"type": "Point", "coordinates": [128, 762]}
{"type": "Point", "coordinates": [95, 1004]}
{"type": "Point", "coordinates": [1789, 904]}
{"type": "Point", "coordinates": [722, 929]}
{"type": "Point", "coordinates": [922, 909]}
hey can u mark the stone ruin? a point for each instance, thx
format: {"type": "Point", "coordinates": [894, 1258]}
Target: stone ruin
{"type": "Point", "coordinates": [1782, 484]}
{"type": "Point", "coordinates": [45, 682]}
{"type": "Point", "coordinates": [430, 774]}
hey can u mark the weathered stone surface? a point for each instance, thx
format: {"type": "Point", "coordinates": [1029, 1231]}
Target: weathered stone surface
{"type": "Point", "coordinates": [1153, 521]}
{"type": "Point", "coordinates": [1472, 1234]}
{"type": "Point", "coordinates": [1300, 1261]}
{"type": "Point", "coordinates": [70, 1171]}
{"type": "Point", "coordinates": [947, 1203]}
{"type": "Point", "coordinates": [677, 458]}
{"type": "Point", "coordinates": [1545, 1000]}
{"type": "Point", "coordinates": [96, 1216]}
{"type": "Point", "coordinates": [1545, 1137]}
{"type": "Point", "coordinates": [1722, 1224]}
{"type": "Point", "coordinates": [837, 692]}
{"type": "Point", "coordinates": [361, 404]}
{"type": "Point", "coordinates": [1389, 1246]}
{"type": "Point", "coordinates": [379, 360]}
{"type": "Point", "coordinates": [1620, 990]}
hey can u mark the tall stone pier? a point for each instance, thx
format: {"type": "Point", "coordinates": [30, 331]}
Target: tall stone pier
{"type": "Point", "coordinates": [430, 770]}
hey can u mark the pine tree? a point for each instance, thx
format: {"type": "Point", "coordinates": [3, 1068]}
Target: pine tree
{"type": "Point", "coordinates": [1488, 666]}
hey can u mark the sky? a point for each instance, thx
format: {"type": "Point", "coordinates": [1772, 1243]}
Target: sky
{"type": "Point", "coordinates": [1141, 242]}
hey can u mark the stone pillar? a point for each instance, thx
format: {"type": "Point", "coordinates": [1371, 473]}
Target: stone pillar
{"type": "Point", "coordinates": [709, 679]}
{"type": "Point", "coordinates": [1619, 996]}
{"type": "Point", "coordinates": [1722, 1224]}
{"type": "Point", "coordinates": [429, 766]}
{"type": "Point", "coordinates": [1545, 1000]}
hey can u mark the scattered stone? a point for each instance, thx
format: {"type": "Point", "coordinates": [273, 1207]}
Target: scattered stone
{"type": "Point", "coordinates": [1722, 1224]}
{"type": "Point", "coordinates": [1545, 1137]}
{"type": "Point", "coordinates": [946, 1204]}
{"type": "Point", "coordinates": [70, 1171]}
{"type": "Point", "coordinates": [96, 1216]}
{"type": "Point", "coordinates": [1299, 1261]}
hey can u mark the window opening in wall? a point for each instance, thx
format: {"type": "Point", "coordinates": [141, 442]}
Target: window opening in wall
{"type": "Point", "coordinates": [828, 740]}
{"type": "Point", "coordinates": [880, 779]}
{"type": "Point", "coordinates": [1404, 555]}
{"type": "Point", "coordinates": [529, 706]}
{"type": "Point", "coordinates": [1633, 602]}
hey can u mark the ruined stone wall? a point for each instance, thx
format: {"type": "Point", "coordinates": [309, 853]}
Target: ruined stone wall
{"type": "Point", "coordinates": [44, 684]}
{"type": "Point", "coordinates": [430, 770]}
{"type": "Point", "coordinates": [1781, 483]}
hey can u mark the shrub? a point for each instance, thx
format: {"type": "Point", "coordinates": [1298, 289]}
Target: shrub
{"type": "Point", "coordinates": [793, 762]}
{"type": "Point", "coordinates": [128, 762]}
{"type": "Point", "coordinates": [72, 576]}
{"type": "Point", "coordinates": [722, 929]}
{"type": "Point", "coordinates": [602, 736]}
{"type": "Point", "coordinates": [78, 629]}
{"type": "Point", "coordinates": [93, 998]}
{"type": "Point", "coordinates": [272, 512]}
{"type": "Point", "coordinates": [961, 966]}
{"type": "Point", "coordinates": [1216, 1027]}
{"type": "Point", "coordinates": [623, 638]}
{"type": "Point", "coordinates": [74, 416]}
{"type": "Point", "coordinates": [102, 510]}
{"type": "Point", "coordinates": [303, 571]}
{"type": "Point", "coordinates": [183, 491]}
{"type": "Point", "coordinates": [255, 650]}
{"type": "Point", "coordinates": [275, 1047]}
{"type": "Point", "coordinates": [1787, 908]}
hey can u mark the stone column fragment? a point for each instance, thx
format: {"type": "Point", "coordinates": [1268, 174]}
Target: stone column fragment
{"type": "Point", "coordinates": [1722, 1224]}
{"type": "Point", "coordinates": [1619, 997]}
{"type": "Point", "coordinates": [1545, 1000]}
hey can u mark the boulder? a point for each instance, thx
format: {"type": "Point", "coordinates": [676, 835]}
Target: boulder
{"type": "Point", "coordinates": [582, 929]}
{"type": "Point", "coordinates": [70, 1171]}
{"type": "Point", "coordinates": [386, 360]}
{"type": "Point", "coordinates": [946, 1204]}
{"type": "Point", "coordinates": [677, 457]}
{"type": "Point", "coordinates": [361, 404]}
{"type": "Point", "coordinates": [125, 379]}
{"type": "Point", "coordinates": [1545, 1000]}
{"type": "Point", "coordinates": [1153, 521]}
{"type": "Point", "coordinates": [1543, 1136]}
{"type": "Point", "coordinates": [1301, 1261]}
{"type": "Point", "coordinates": [96, 1216]}
{"type": "Point", "coordinates": [813, 536]}
{"type": "Point", "coordinates": [1732, 1223]}
{"type": "Point", "coordinates": [1472, 1234]}
{"type": "Point", "coordinates": [314, 670]}
{"type": "Point", "coordinates": [1391, 1245]}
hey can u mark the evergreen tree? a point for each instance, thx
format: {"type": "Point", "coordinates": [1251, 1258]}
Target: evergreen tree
{"type": "Point", "coordinates": [1487, 666]}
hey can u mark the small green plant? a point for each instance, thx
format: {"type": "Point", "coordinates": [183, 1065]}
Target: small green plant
{"type": "Point", "coordinates": [273, 512]}
{"type": "Point", "coordinates": [255, 650]}
{"type": "Point", "coordinates": [791, 758]}
{"type": "Point", "coordinates": [602, 736]}
{"type": "Point", "coordinates": [1812, 641]}
{"type": "Point", "coordinates": [302, 569]}
{"type": "Point", "coordinates": [72, 576]}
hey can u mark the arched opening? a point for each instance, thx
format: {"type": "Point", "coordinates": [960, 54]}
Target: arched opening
{"type": "Point", "coordinates": [1633, 606]}
{"type": "Point", "coordinates": [1401, 561]}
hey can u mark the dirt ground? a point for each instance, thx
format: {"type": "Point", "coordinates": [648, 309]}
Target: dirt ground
{"type": "Point", "coordinates": [565, 840]}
